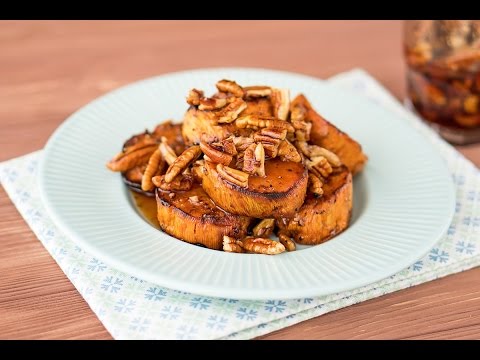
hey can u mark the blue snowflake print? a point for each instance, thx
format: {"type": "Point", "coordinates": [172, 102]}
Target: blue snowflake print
{"type": "Point", "coordinates": [305, 301]}
{"type": "Point", "coordinates": [471, 195]}
{"type": "Point", "coordinates": [476, 221]}
{"type": "Point", "coordinates": [230, 301]}
{"type": "Point", "coordinates": [466, 220]}
{"type": "Point", "coordinates": [186, 332]}
{"type": "Point", "coordinates": [59, 253]}
{"type": "Point", "coordinates": [169, 312]}
{"type": "Point", "coordinates": [32, 166]}
{"type": "Point", "coordinates": [458, 206]}
{"type": "Point", "coordinates": [22, 195]}
{"type": "Point", "coordinates": [463, 247]}
{"type": "Point", "coordinates": [125, 306]}
{"type": "Point", "coordinates": [140, 324]}
{"type": "Point", "coordinates": [78, 249]}
{"type": "Point", "coordinates": [33, 215]}
{"type": "Point", "coordinates": [48, 235]}
{"type": "Point", "coordinates": [262, 326]}
{"type": "Point", "coordinates": [244, 314]}
{"type": "Point", "coordinates": [75, 271]}
{"type": "Point", "coordinates": [291, 316]}
{"type": "Point", "coordinates": [96, 265]}
{"type": "Point", "coordinates": [134, 278]}
{"type": "Point", "coordinates": [200, 303]}
{"type": "Point", "coordinates": [417, 266]}
{"type": "Point", "coordinates": [155, 294]}
{"type": "Point", "coordinates": [451, 229]}
{"type": "Point", "coordinates": [275, 306]}
{"type": "Point", "coordinates": [216, 322]}
{"type": "Point", "coordinates": [10, 175]}
{"type": "Point", "coordinates": [438, 255]}
{"type": "Point", "coordinates": [459, 179]}
{"type": "Point", "coordinates": [111, 284]}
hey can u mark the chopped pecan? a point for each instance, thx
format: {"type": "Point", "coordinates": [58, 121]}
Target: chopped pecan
{"type": "Point", "coordinates": [154, 166]}
{"type": "Point", "coordinates": [270, 139]}
{"type": "Point", "coordinates": [286, 241]}
{"type": "Point", "coordinates": [167, 152]}
{"type": "Point", "coordinates": [231, 87]}
{"type": "Point", "coordinates": [180, 183]}
{"type": "Point", "coordinates": [254, 160]}
{"type": "Point", "coordinates": [319, 166]}
{"type": "Point", "coordinates": [274, 133]}
{"type": "Point", "coordinates": [194, 97]}
{"type": "Point", "coordinates": [281, 103]}
{"type": "Point", "coordinates": [315, 151]}
{"type": "Point", "coordinates": [263, 246]}
{"type": "Point", "coordinates": [194, 200]}
{"type": "Point", "coordinates": [182, 162]}
{"type": "Point", "coordinates": [214, 155]}
{"type": "Point", "coordinates": [286, 151]}
{"type": "Point", "coordinates": [242, 143]}
{"type": "Point", "coordinates": [298, 113]}
{"type": "Point", "coordinates": [257, 91]}
{"type": "Point", "coordinates": [264, 228]}
{"type": "Point", "coordinates": [130, 159]}
{"type": "Point", "coordinates": [232, 245]}
{"type": "Point", "coordinates": [315, 185]}
{"type": "Point", "coordinates": [230, 112]}
{"type": "Point", "coordinates": [233, 176]}
{"type": "Point", "coordinates": [198, 170]}
{"type": "Point", "coordinates": [226, 145]}
{"type": "Point", "coordinates": [257, 122]}
{"type": "Point", "coordinates": [212, 103]}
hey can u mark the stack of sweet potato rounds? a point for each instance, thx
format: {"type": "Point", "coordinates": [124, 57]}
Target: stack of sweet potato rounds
{"type": "Point", "coordinates": [244, 164]}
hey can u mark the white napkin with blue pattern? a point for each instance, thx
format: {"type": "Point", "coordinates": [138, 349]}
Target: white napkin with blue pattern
{"type": "Point", "coordinates": [131, 308]}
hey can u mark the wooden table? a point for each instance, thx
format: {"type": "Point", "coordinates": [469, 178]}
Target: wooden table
{"type": "Point", "coordinates": [50, 69]}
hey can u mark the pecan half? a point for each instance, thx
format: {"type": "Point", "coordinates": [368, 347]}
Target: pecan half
{"type": "Point", "coordinates": [232, 245]}
{"type": "Point", "coordinates": [288, 152]}
{"type": "Point", "coordinates": [230, 112]}
{"type": "Point", "coordinates": [257, 91]}
{"type": "Point", "coordinates": [242, 143]}
{"type": "Point", "coordinates": [130, 159]}
{"type": "Point", "coordinates": [315, 150]}
{"type": "Point", "coordinates": [180, 183]}
{"type": "Point", "coordinates": [270, 139]}
{"type": "Point", "coordinates": [256, 122]}
{"type": "Point", "coordinates": [167, 152]}
{"type": "Point", "coordinates": [263, 246]}
{"type": "Point", "coordinates": [286, 241]}
{"type": "Point", "coordinates": [212, 103]}
{"type": "Point", "coordinates": [194, 97]}
{"type": "Point", "coordinates": [154, 166]}
{"type": "Point", "coordinates": [214, 155]}
{"type": "Point", "coordinates": [254, 160]}
{"type": "Point", "coordinates": [264, 228]}
{"type": "Point", "coordinates": [281, 103]}
{"type": "Point", "coordinates": [230, 86]}
{"type": "Point", "coordinates": [298, 113]}
{"type": "Point", "coordinates": [319, 166]}
{"type": "Point", "coordinates": [182, 162]}
{"type": "Point", "coordinates": [233, 176]}
{"type": "Point", "coordinates": [315, 185]}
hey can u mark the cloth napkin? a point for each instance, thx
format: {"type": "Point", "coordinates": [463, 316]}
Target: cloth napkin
{"type": "Point", "coordinates": [131, 308]}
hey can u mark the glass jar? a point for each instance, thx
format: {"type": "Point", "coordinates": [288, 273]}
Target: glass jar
{"type": "Point", "coordinates": [443, 75]}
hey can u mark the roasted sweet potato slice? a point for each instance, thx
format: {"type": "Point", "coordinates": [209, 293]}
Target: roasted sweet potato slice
{"type": "Point", "coordinates": [327, 135]}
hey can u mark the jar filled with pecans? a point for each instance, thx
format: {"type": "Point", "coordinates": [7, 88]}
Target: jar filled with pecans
{"type": "Point", "coordinates": [443, 75]}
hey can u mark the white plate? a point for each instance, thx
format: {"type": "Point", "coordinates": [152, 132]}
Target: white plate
{"type": "Point", "coordinates": [403, 200]}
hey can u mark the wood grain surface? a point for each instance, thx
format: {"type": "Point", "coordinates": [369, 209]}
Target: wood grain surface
{"type": "Point", "coordinates": [48, 69]}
